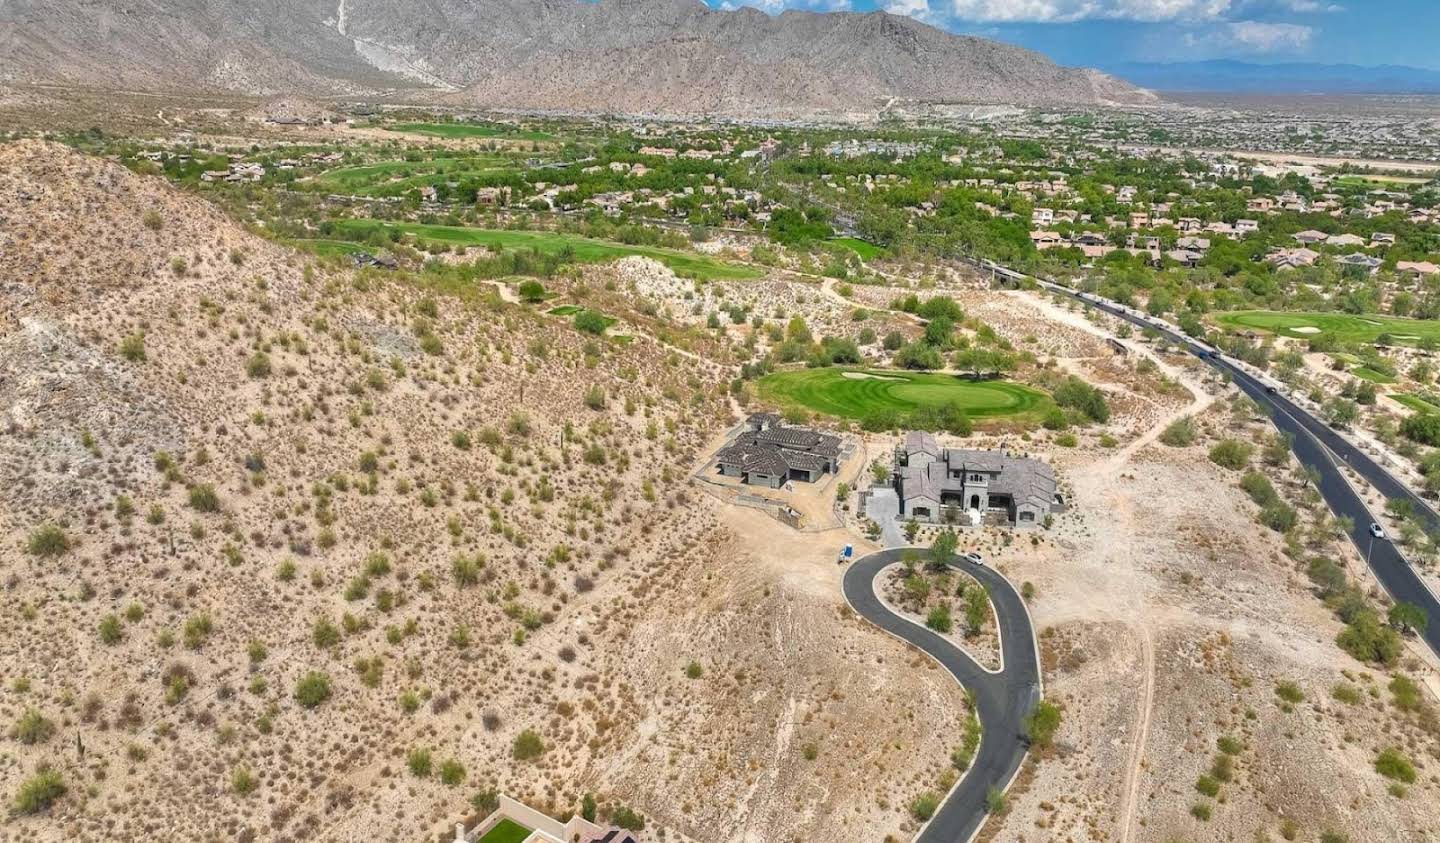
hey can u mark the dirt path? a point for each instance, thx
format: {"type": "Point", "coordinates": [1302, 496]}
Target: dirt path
{"type": "Point", "coordinates": [1141, 734]}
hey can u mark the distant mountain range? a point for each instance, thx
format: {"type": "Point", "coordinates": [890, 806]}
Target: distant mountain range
{"type": "Point", "coordinates": [632, 56]}
{"type": "Point", "coordinates": [1292, 78]}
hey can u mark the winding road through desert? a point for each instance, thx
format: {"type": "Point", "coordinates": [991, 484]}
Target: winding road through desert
{"type": "Point", "coordinates": [1002, 698]}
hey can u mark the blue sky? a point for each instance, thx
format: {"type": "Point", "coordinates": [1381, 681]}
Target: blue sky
{"type": "Point", "coordinates": [1102, 32]}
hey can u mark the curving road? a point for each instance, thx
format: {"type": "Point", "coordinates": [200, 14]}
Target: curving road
{"type": "Point", "coordinates": [1316, 445]}
{"type": "Point", "coordinates": [1002, 699]}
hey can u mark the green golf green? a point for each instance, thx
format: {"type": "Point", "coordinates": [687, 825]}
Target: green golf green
{"type": "Point", "coordinates": [1342, 326]}
{"type": "Point", "coordinates": [865, 249]}
{"type": "Point", "coordinates": [857, 393]}
{"type": "Point", "coordinates": [585, 249]}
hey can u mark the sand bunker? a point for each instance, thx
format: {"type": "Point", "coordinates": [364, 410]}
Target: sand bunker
{"type": "Point", "coordinates": [866, 376]}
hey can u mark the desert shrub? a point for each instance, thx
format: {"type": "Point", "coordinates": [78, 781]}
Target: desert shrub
{"type": "Point", "coordinates": [1279, 516]}
{"type": "Point", "coordinates": [1200, 811]}
{"type": "Point", "coordinates": [1405, 693]}
{"type": "Point", "coordinates": [1207, 786]}
{"type": "Point", "coordinates": [1078, 395]}
{"type": "Point", "coordinates": [242, 781]}
{"type": "Point", "coordinates": [627, 818]}
{"type": "Point", "coordinates": [39, 792]}
{"type": "Point", "coordinates": [466, 570]}
{"type": "Point", "coordinates": [527, 745]}
{"type": "Point", "coordinates": [48, 540]}
{"type": "Point", "coordinates": [204, 498]}
{"type": "Point", "coordinates": [418, 760]}
{"type": "Point", "coordinates": [32, 728]}
{"type": "Point", "coordinates": [1042, 723]}
{"type": "Point", "coordinates": [1289, 692]}
{"type": "Point", "coordinates": [1229, 745]}
{"type": "Point", "coordinates": [452, 773]}
{"type": "Point", "coordinates": [1231, 453]}
{"type": "Point", "coordinates": [591, 322]}
{"type": "Point", "coordinates": [1259, 488]}
{"type": "Point", "coordinates": [693, 670]}
{"type": "Point", "coordinates": [1348, 694]}
{"type": "Point", "coordinates": [325, 633]}
{"type": "Point", "coordinates": [132, 348]}
{"type": "Point", "coordinates": [924, 805]}
{"type": "Point", "coordinates": [1368, 640]}
{"type": "Point", "coordinates": [1179, 433]}
{"type": "Point", "coordinates": [258, 366]}
{"type": "Point", "coordinates": [1392, 764]}
{"type": "Point", "coordinates": [111, 630]}
{"type": "Point", "coordinates": [312, 689]}
{"type": "Point", "coordinates": [939, 618]}
{"type": "Point", "coordinates": [995, 801]}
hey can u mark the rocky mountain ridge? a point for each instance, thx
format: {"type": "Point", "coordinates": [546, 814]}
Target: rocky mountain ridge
{"type": "Point", "coordinates": [630, 56]}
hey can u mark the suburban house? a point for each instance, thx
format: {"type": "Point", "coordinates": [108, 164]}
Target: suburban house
{"type": "Point", "coordinates": [768, 453]}
{"type": "Point", "coordinates": [1292, 258]}
{"type": "Point", "coordinates": [1311, 237]}
{"type": "Point", "coordinates": [1417, 269]}
{"type": "Point", "coordinates": [957, 485]}
{"type": "Point", "coordinates": [515, 821]}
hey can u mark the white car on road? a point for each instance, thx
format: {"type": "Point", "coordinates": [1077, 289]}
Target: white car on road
{"type": "Point", "coordinates": [1377, 531]}
{"type": "Point", "coordinates": [973, 558]}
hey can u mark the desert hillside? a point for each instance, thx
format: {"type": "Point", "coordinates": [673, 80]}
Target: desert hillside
{"type": "Point", "coordinates": [332, 556]}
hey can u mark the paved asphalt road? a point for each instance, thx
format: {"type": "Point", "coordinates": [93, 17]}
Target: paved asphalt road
{"type": "Point", "coordinates": [1314, 444]}
{"type": "Point", "coordinates": [1002, 699]}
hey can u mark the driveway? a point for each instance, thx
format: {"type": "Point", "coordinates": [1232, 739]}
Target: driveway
{"type": "Point", "coordinates": [1002, 699]}
{"type": "Point", "coordinates": [883, 507]}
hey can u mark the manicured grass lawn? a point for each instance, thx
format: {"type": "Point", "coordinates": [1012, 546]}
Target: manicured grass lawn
{"type": "Point", "coordinates": [327, 248]}
{"type": "Point", "coordinates": [865, 391]}
{"type": "Point", "coordinates": [866, 250]}
{"type": "Point", "coordinates": [1343, 326]}
{"type": "Point", "coordinates": [455, 131]}
{"type": "Point", "coordinates": [566, 310]}
{"type": "Point", "coordinates": [1371, 375]}
{"type": "Point", "coordinates": [1415, 402]}
{"type": "Point", "coordinates": [1379, 181]}
{"type": "Point", "coordinates": [585, 248]}
{"type": "Point", "coordinates": [505, 831]}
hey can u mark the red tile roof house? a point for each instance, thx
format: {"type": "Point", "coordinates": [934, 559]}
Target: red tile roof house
{"type": "Point", "coordinates": [513, 818]}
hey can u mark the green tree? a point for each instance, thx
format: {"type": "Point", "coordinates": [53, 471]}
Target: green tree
{"type": "Point", "coordinates": [942, 550]}
{"type": "Point", "coordinates": [1407, 617]}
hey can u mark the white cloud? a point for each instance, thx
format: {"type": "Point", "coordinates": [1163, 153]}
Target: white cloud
{"type": "Point", "coordinates": [1306, 6]}
{"type": "Point", "coordinates": [1067, 11]}
{"type": "Point", "coordinates": [1253, 37]}
{"type": "Point", "coordinates": [918, 9]}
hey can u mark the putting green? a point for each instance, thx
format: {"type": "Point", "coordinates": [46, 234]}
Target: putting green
{"type": "Point", "coordinates": [857, 393]}
{"type": "Point", "coordinates": [1342, 326]}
